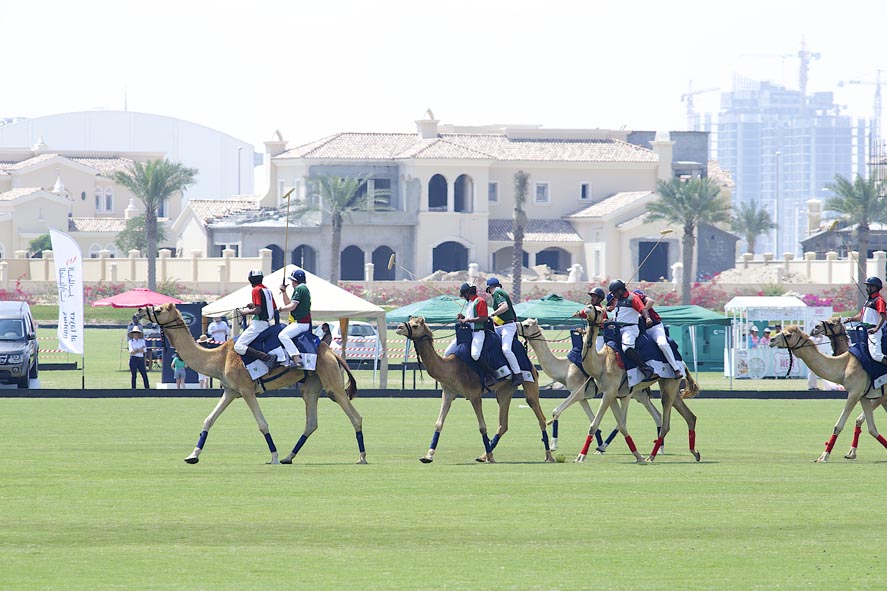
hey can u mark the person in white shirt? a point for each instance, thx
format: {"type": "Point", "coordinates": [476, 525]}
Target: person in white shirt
{"type": "Point", "coordinates": [137, 347]}
{"type": "Point", "coordinates": [218, 330]}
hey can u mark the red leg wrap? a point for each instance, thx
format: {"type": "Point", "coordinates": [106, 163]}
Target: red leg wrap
{"type": "Point", "coordinates": [856, 433]}
{"type": "Point", "coordinates": [631, 444]}
{"type": "Point", "coordinates": [830, 444]}
{"type": "Point", "coordinates": [882, 440]}
{"type": "Point", "coordinates": [585, 447]}
{"type": "Point", "coordinates": [692, 439]}
{"type": "Point", "coordinates": [657, 444]}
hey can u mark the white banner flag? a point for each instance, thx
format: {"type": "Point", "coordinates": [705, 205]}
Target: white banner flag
{"type": "Point", "coordinates": [69, 274]}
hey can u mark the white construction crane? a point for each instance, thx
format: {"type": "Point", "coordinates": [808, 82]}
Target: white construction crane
{"type": "Point", "coordinates": [875, 131]}
{"type": "Point", "coordinates": [804, 55]}
{"type": "Point", "coordinates": [692, 122]}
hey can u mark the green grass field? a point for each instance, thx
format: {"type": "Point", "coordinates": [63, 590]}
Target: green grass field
{"type": "Point", "coordinates": [95, 495]}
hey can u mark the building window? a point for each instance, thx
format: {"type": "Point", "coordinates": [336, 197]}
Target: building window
{"type": "Point", "coordinates": [99, 199]}
{"type": "Point", "coordinates": [585, 192]}
{"type": "Point", "coordinates": [541, 196]}
{"type": "Point", "coordinates": [382, 193]}
{"type": "Point", "coordinates": [493, 192]}
{"type": "Point", "coordinates": [280, 190]}
{"type": "Point", "coordinates": [109, 199]}
{"type": "Point", "coordinates": [218, 248]}
{"type": "Point", "coordinates": [162, 208]}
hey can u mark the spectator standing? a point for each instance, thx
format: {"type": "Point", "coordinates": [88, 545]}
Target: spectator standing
{"type": "Point", "coordinates": [765, 340]}
{"type": "Point", "coordinates": [753, 338]}
{"type": "Point", "coordinates": [137, 347]}
{"type": "Point", "coordinates": [218, 330]}
{"type": "Point", "coordinates": [178, 367]}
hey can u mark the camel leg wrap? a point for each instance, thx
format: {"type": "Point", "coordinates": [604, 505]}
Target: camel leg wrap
{"type": "Point", "coordinates": [612, 436]}
{"type": "Point", "coordinates": [692, 436]}
{"type": "Point", "coordinates": [554, 428]}
{"type": "Point", "coordinates": [856, 432]}
{"type": "Point", "coordinates": [434, 439]}
{"type": "Point", "coordinates": [585, 447]}
{"type": "Point", "coordinates": [271, 447]}
{"type": "Point", "coordinates": [830, 444]}
{"type": "Point", "coordinates": [201, 441]}
{"type": "Point", "coordinates": [656, 445]}
{"type": "Point", "coordinates": [881, 440]}
{"type": "Point", "coordinates": [360, 446]}
{"type": "Point", "coordinates": [486, 443]}
{"type": "Point", "coordinates": [545, 440]}
{"type": "Point", "coordinates": [494, 442]}
{"type": "Point", "coordinates": [631, 445]}
{"type": "Point", "coordinates": [299, 444]}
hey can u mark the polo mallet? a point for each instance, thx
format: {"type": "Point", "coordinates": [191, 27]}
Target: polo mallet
{"type": "Point", "coordinates": [286, 234]}
{"type": "Point", "coordinates": [392, 262]}
{"type": "Point", "coordinates": [662, 235]}
{"type": "Point", "coordinates": [833, 228]}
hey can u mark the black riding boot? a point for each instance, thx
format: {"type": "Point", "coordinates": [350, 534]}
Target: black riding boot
{"type": "Point", "coordinates": [489, 379]}
{"type": "Point", "coordinates": [632, 354]}
{"type": "Point", "coordinates": [271, 360]}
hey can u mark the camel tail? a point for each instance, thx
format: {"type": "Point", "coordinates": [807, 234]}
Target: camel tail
{"type": "Point", "coordinates": [692, 389]}
{"type": "Point", "coordinates": [351, 388]}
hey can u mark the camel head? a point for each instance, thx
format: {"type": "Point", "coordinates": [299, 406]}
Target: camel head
{"type": "Point", "coordinates": [165, 315]}
{"type": "Point", "coordinates": [790, 337]}
{"type": "Point", "coordinates": [594, 316]}
{"type": "Point", "coordinates": [529, 329]}
{"type": "Point", "coordinates": [414, 329]}
{"type": "Point", "coordinates": [833, 327]}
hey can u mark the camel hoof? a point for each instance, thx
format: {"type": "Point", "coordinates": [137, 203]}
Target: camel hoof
{"type": "Point", "coordinates": [649, 459]}
{"type": "Point", "coordinates": [361, 461]}
{"type": "Point", "coordinates": [851, 455]}
{"type": "Point", "coordinates": [273, 463]}
{"type": "Point", "coordinates": [286, 461]}
{"type": "Point", "coordinates": [549, 458]}
{"type": "Point", "coordinates": [426, 460]}
{"type": "Point", "coordinates": [192, 459]}
{"type": "Point", "coordinates": [822, 459]}
{"type": "Point", "coordinates": [696, 454]}
{"type": "Point", "coordinates": [579, 459]}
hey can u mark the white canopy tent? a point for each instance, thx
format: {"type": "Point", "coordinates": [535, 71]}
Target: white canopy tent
{"type": "Point", "coordinates": [328, 302]}
{"type": "Point", "coordinates": [740, 360]}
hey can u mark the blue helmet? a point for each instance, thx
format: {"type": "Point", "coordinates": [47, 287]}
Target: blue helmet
{"type": "Point", "coordinates": [493, 281]}
{"type": "Point", "coordinates": [876, 281]}
{"type": "Point", "coordinates": [298, 275]}
{"type": "Point", "coordinates": [598, 291]}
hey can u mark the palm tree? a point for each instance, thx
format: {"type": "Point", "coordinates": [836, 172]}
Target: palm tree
{"type": "Point", "coordinates": [154, 182]}
{"type": "Point", "coordinates": [338, 196]}
{"type": "Point", "coordinates": [689, 203]}
{"type": "Point", "coordinates": [751, 221]}
{"type": "Point", "coordinates": [518, 224]}
{"type": "Point", "coordinates": [861, 203]}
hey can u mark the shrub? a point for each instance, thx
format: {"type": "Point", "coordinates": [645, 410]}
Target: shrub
{"type": "Point", "coordinates": [17, 294]}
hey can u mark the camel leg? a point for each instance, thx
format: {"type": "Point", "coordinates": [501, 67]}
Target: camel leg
{"type": "Point", "coordinates": [839, 426]}
{"type": "Point", "coordinates": [574, 397]}
{"type": "Point", "coordinates": [554, 424]}
{"type": "Point", "coordinates": [595, 424]}
{"type": "Point", "coordinates": [644, 398]}
{"type": "Point", "coordinates": [253, 404]}
{"type": "Point", "coordinates": [356, 422]}
{"type": "Point", "coordinates": [868, 407]}
{"type": "Point", "coordinates": [684, 411]}
{"type": "Point", "coordinates": [477, 405]}
{"type": "Point", "coordinates": [620, 412]}
{"type": "Point", "coordinates": [857, 430]}
{"type": "Point", "coordinates": [226, 399]}
{"type": "Point", "coordinates": [532, 397]}
{"type": "Point", "coordinates": [311, 398]}
{"type": "Point", "coordinates": [668, 393]}
{"type": "Point", "coordinates": [446, 401]}
{"type": "Point", "coordinates": [503, 397]}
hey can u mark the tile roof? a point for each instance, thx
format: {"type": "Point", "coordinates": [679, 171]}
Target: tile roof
{"type": "Point", "coordinates": [544, 230]}
{"type": "Point", "coordinates": [394, 146]}
{"type": "Point", "coordinates": [114, 225]}
{"type": "Point", "coordinates": [105, 166]}
{"type": "Point", "coordinates": [210, 209]}
{"type": "Point", "coordinates": [19, 192]}
{"type": "Point", "coordinates": [27, 162]}
{"type": "Point", "coordinates": [609, 205]}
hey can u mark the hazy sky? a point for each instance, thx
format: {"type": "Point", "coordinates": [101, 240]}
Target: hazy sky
{"type": "Point", "coordinates": [312, 68]}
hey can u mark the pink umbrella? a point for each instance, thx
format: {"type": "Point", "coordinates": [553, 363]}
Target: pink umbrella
{"type": "Point", "coordinates": [136, 298]}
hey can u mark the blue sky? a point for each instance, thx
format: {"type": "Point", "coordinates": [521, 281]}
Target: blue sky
{"type": "Point", "coordinates": [312, 68]}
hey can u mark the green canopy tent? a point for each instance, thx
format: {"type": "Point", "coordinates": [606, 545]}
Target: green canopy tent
{"type": "Point", "coordinates": [439, 310]}
{"type": "Point", "coordinates": [688, 325]}
{"type": "Point", "coordinates": [551, 310]}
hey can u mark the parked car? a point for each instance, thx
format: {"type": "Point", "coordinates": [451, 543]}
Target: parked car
{"type": "Point", "coordinates": [18, 344]}
{"type": "Point", "coordinates": [363, 340]}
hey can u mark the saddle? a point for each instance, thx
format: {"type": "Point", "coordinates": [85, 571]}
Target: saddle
{"type": "Point", "coordinates": [876, 370]}
{"type": "Point", "coordinates": [491, 356]}
{"type": "Point", "coordinates": [269, 342]}
{"type": "Point", "coordinates": [649, 352]}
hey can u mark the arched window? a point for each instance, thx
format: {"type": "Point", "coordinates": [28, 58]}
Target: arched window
{"type": "Point", "coordinates": [558, 259]}
{"type": "Point", "coordinates": [449, 256]}
{"type": "Point", "coordinates": [463, 194]}
{"type": "Point", "coordinates": [381, 256]}
{"type": "Point", "coordinates": [305, 257]}
{"type": "Point", "coordinates": [109, 198]}
{"type": "Point", "coordinates": [112, 248]}
{"type": "Point", "coordinates": [99, 198]}
{"type": "Point", "coordinates": [276, 256]}
{"type": "Point", "coordinates": [351, 264]}
{"type": "Point", "coordinates": [437, 193]}
{"type": "Point", "coordinates": [94, 250]}
{"type": "Point", "coordinates": [503, 259]}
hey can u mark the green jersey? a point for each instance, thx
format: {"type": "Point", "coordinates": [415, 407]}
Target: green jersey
{"type": "Point", "coordinates": [499, 298]}
{"type": "Point", "coordinates": [302, 311]}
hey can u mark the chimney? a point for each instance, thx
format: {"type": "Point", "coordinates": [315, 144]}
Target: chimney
{"type": "Point", "coordinates": [664, 148]}
{"type": "Point", "coordinates": [427, 128]}
{"type": "Point", "coordinates": [814, 215]}
{"type": "Point", "coordinates": [276, 145]}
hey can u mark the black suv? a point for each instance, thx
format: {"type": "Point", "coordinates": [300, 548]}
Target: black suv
{"type": "Point", "coordinates": [18, 344]}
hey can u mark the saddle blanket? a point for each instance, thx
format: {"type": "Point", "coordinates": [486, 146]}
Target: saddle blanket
{"type": "Point", "coordinates": [650, 353]}
{"type": "Point", "coordinates": [876, 371]}
{"type": "Point", "coordinates": [492, 354]}
{"type": "Point", "coordinates": [269, 342]}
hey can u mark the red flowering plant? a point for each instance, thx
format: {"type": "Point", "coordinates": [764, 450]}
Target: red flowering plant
{"type": "Point", "coordinates": [17, 294]}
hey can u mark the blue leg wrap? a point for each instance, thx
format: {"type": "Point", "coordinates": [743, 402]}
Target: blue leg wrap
{"type": "Point", "coordinates": [554, 428]}
{"type": "Point", "coordinates": [360, 442]}
{"type": "Point", "coordinates": [612, 436]}
{"type": "Point", "coordinates": [545, 440]}
{"type": "Point", "coordinates": [487, 443]}
{"type": "Point", "coordinates": [202, 439]}
{"type": "Point", "coordinates": [270, 441]}
{"type": "Point", "coordinates": [434, 439]}
{"type": "Point", "coordinates": [658, 430]}
{"type": "Point", "coordinates": [299, 444]}
{"type": "Point", "coordinates": [597, 435]}
{"type": "Point", "coordinates": [494, 442]}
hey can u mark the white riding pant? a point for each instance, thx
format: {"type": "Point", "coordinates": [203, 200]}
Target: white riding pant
{"type": "Point", "coordinates": [291, 331]}
{"type": "Point", "coordinates": [506, 332]}
{"type": "Point", "coordinates": [875, 346]}
{"type": "Point", "coordinates": [252, 332]}
{"type": "Point", "coordinates": [629, 335]}
{"type": "Point", "coordinates": [477, 345]}
{"type": "Point", "coordinates": [657, 333]}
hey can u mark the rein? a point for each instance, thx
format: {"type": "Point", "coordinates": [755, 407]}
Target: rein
{"type": "Point", "coordinates": [791, 349]}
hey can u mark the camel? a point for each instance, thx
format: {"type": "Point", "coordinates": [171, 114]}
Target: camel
{"type": "Point", "coordinates": [457, 379]}
{"type": "Point", "coordinates": [603, 367]}
{"type": "Point", "coordinates": [227, 366]}
{"type": "Point", "coordinates": [568, 373]}
{"type": "Point", "coordinates": [836, 332]}
{"type": "Point", "coordinates": [844, 369]}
